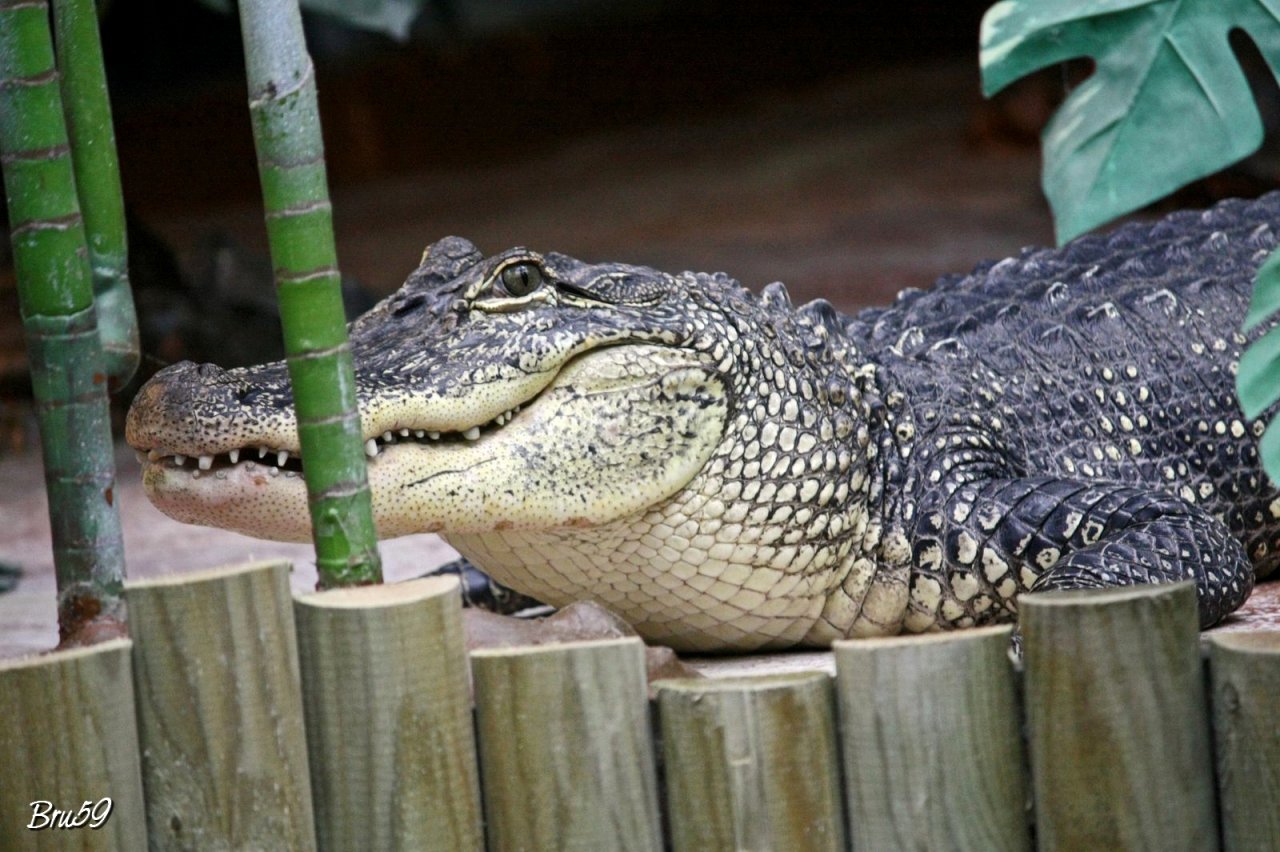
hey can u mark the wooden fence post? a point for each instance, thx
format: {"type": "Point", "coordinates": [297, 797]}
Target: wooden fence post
{"type": "Point", "coordinates": [751, 763]}
{"type": "Point", "coordinates": [930, 734]}
{"type": "Point", "coordinates": [68, 738]}
{"type": "Point", "coordinates": [1117, 721]}
{"type": "Point", "coordinates": [1244, 669]}
{"type": "Point", "coordinates": [566, 754]}
{"type": "Point", "coordinates": [220, 710]}
{"type": "Point", "coordinates": [388, 710]}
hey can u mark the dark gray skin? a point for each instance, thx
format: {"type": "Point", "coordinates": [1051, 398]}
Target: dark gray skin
{"type": "Point", "coordinates": [1064, 419]}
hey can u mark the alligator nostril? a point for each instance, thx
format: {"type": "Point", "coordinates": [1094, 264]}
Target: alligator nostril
{"type": "Point", "coordinates": [207, 371]}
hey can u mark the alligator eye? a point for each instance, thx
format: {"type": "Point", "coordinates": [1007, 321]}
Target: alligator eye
{"type": "Point", "coordinates": [521, 279]}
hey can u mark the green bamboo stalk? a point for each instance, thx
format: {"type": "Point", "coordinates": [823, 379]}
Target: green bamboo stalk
{"type": "Point", "coordinates": [286, 131]}
{"type": "Point", "coordinates": [97, 171]}
{"type": "Point", "coordinates": [55, 296]}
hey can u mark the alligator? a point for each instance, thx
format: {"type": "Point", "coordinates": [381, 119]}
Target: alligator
{"type": "Point", "coordinates": [727, 471]}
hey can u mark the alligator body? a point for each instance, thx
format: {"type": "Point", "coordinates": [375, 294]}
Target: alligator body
{"type": "Point", "coordinates": [728, 471]}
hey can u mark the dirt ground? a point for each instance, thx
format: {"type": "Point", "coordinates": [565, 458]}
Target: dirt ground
{"type": "Point", "coordinates": [848, 189]}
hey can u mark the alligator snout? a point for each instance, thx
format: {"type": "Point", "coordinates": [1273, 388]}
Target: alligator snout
{"type": "Point", "coordinates": [196, 408]}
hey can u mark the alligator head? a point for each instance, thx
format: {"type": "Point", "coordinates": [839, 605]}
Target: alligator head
{"type": "Point", "coordinates": [670, 445]}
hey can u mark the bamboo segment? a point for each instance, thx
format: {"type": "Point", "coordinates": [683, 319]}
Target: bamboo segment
{"type": "Point", "coordinates": [751, 763]}
{"type": "Point", "coordinates": [295, 192]}
{"type": "Point", "coordinates": [220, 710]}
{"type": "Point", "coordinates": [1116, 720]}
{"type": "Point", "coordinates": [388, 710]}
{"type": "Point", "coordinates": [1244, 670]}
{"type": "Point", "coordinates": [930, 733]}
{"type": "Point", "coordinates": [68, 739]}
{"type": "Point", "coordinates": [55, 295]}
{"type": "Point", "coordinates": [97, 172]}
{"type": "Point", "coordinates": [566, 756]}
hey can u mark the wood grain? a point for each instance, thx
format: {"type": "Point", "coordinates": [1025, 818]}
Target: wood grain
{"type": "Point", "coordinates": [224, 756]}
{"type": "Point", "coordinates": [566, 753]}
{"type": "Point", "coordinates": [933, 755]}
{"type": "Point", "coordinates": [751, 763]}
{"type": "Point", "coordinates": [388, 710]}
{"type": "Point", "coordinates": [68, 737]}
{"type": "Point", "coordinates": [1117, 722]}
{"type": "Point", "coordinates": [1244, 670]}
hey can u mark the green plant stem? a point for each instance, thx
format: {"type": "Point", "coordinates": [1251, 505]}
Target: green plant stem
{"type": "Point", "coordinates": [286, 130]}
{"type": "Point", "coordinates": [55, 295]}
{"type": "Point", "coordinates": [97, 171]}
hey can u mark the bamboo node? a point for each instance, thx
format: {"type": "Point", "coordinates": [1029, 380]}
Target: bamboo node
{"type": "Point", "coordinates": [322, 206]}
{"type": "Point", "coordinates": [317, 274]}
{"type": "Point", "coordinates": [57, 223]}
{"type": "Point", "coordinates": [274, 91]}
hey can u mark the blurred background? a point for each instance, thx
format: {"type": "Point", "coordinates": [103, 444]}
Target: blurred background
{"type": "Point", "coordinates": [843, 148]}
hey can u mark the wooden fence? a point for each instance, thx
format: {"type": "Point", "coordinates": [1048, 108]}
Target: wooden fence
{"type": "Point", "coordinates": [239, 718]}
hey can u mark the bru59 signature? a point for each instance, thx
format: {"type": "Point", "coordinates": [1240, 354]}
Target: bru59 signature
{"type": "Point", "coordinates": [88, 815]}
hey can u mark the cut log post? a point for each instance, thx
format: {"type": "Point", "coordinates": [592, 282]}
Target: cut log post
{"type": "Point", "coordinates": [751, 763]}
{"type": "Point", "coordinates": [68, 741]}
{"type": "Point", "coordinates": [220, 710]}
{"type": "Point", "coordinates": [566, 753]}
{"type": "Point", "coordinates": [1117, 722]}
{"type": "Point", "coordinates": [931, 737]}
{"type": "Point", "coordinates": [1244, 669]}
{"type": "Point", "coordinates": [388, 711]}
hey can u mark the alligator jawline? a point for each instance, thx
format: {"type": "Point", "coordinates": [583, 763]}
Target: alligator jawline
{"type": "Point", "coordinates": [290, 461]}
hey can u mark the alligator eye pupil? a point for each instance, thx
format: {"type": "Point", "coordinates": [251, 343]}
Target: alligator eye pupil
{"type": "Point", "coordinates": [520, 279]}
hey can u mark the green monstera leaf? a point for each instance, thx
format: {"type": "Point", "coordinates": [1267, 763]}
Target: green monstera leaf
{"type": "Point", "coordinates": [1256, 384]}
{"type": "Point", "coordinates": [1167, 102]}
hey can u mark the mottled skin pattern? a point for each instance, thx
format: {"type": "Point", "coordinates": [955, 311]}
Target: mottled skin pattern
{"type": "Point", "coordinates": [729, 472]}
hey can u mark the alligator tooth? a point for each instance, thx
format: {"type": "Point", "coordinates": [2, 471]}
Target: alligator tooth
{"type": "Point", "coordinates": [387, 437]}
{"type": "Point", "coordinates": [179, 460]}
{"type": "Point", "coordinates": [282, 456]}
{"type": "Point", "coordinates": [262, 452]}
{"type": "Point", "coordinates": [205, 462]}
{"type": "Point", "coordinates": [472, 433]}
{"type": "Point", "coordinates": [435, 436]}
{"type": "Point", "coordinates": [274, 471]}
{"type": "Point", "coordinates": [418, 433]}
{"type": "Point", "coordinates": [154, 455]}
{"type": "Point", "coordinates": [404, 433]}
{"type": "Point", "coordinates": [137, 454]}
{"type": "Point", "coordinates": [371, 448]}
{"type": "Point", "coordinates": [234, 455]}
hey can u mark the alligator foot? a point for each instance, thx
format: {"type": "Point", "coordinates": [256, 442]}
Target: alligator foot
{"type": "Point", "coordinates": [481, 591]}
{"type": "Point", "coordinates": [9, 576]}
{"type": "Point", "coordinates": [575, 623]}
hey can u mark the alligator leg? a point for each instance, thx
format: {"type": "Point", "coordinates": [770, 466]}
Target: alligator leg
{"type": "Point", "coordinates": [989, 541]}
{"type": "Point", "coordinates": [498, 617]}
{"type": "Point", "coordinates": [481, 591]}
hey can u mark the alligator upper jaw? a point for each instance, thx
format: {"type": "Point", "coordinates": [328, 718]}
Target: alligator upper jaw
{"type": "Point", "coordinates": [616, 430]}
{"type": "Point", "coordinates": [175, 421]}
{"type": "Point", "coordinates": [276, 459]}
